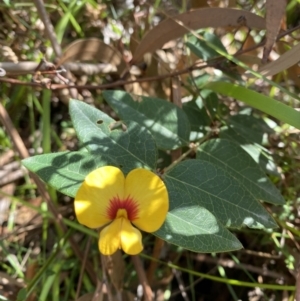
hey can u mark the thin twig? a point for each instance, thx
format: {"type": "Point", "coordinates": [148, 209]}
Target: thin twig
{"type": "Point", "coordinates": [86, 252]}
{"type": "Point", "coordinates": [98, 292]}
{"type": "Point", "coordinates": [28, 67]}
{"type": "Point", "coordinates": [158, 245]}
{"type": "Point", "coordinates": [106, 86]}
{"type": "Point", "coordinates": [228, 263]}
{"type": "Point", "coordinates": [297, 293]}
{"type": "Point", "coordinates": [52, 37]}
{"type": "Point", "coordinates": [181, 285]}
{"type": "Point", "coordinates": [105, 279]}
{"type": "Point", "coordinates": [193, 147]}
{"type": "Point", "coordinates": [48, 26]}
{"type": "Point", "coordinates": [148, 294]}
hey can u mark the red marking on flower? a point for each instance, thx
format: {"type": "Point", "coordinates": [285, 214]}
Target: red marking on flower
{"type": "Point", "coordinates": [129, 204]}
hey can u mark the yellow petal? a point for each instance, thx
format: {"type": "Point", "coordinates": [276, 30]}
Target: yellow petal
{"type": "Point", "coordinates": [131, 238]}
{"type": "Point", "coordinates": [151, 195]}
{"type": "Point", "coordinates": [92, 198]}
{"type": "Point", "coordinates": [109, 240]}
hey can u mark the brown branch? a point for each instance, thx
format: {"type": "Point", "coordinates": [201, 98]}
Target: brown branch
{"type": "Point", "coordinates": [105, 279]}
{"type": "Point", "coordinates": [84, 261]}
{"type": "Point", "coordinates": [105, 86]}
{"type": "Point", "coordinates": [148, 294]}
{"type": "Point", "coordinates": [48, 26]}
{"type": "Point", "coordinates": [22, 68]}
{"type": "Point", "coordinates": [297, 293]}
{"type": "Point", "coordinates": [52, 37]}
{"type": "Point", "coordinates": [228, 263]}
{"type": "Point", "coordinates": [158, 245]}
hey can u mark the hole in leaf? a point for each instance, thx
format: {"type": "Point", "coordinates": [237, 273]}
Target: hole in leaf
{"type": "Point", "coordinates": [118, 126]}
{"type": "Point", "coordinates": [137, 98]}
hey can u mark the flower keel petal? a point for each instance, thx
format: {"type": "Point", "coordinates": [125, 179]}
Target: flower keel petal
{"type": "Point", "coordinates": [131, 238]}
{"type": "Point", "coordinates": [109, 240]}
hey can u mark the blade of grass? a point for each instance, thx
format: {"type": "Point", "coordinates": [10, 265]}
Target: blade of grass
{"type": "Point", "coordinates": [69, 283]}
{"type": "Point", "coordinates": [258, 101]}
{"type": "Point", "coordinates": [46, 100]}
{"type": "Point", "coordinates": [73, 225]}
{"type": "Point", "coordinates": [38, 276]}
{"type": "Point", "coordinates": [236, 60]}
{"type": "Point", "coordinates": [222, 280]}
{"type": "Point", "coordinates": [236, 260]}
{"type": "Point", "coordinates": [230, 288]}
{"type": "Point", "coordinates": [12, 260]}
{"type": "Point", "coordinates": [69, 16]}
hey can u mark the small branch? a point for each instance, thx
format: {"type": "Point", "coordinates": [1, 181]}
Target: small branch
{"type": "Point", "coordinates": [86, 253]}
{"type": "Point", "coordinates": [228, 263]}
{"type": "Point", "coordinates": [105, 279]}
{"type": "Point", "coordinates": [158, 245]}
{"type": "Point", "coordinates": [22, 68]}
{"type": "Point", "coordinates": [181, 285]}
{"type": "Point", "coordinates": [193, 147]}
{"type": "Point", "coordinates": [52, 37]}
{"type": "Point", "coordinates": [297, 293]}
{"type": "Point", "coordinates": [48, 26]}
{"type": "Point", "coordinates": [98, 294]}
{"type": "Point", "coordinates": [148, 294]}
{"type": "Point", "coordinates": [105, 86]}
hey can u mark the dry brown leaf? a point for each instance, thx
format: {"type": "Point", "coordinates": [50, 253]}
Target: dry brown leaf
{"type": "Point", "coordinates": [274, 13]}
{"type": "Point", "coordinates": [198, 3]}
{"type": "Point", "coordinates": [176, 91]}
{"type": "Point", "coordinates": [249, 60]}
{"type": "Point", "coordinates": [169, 29]}
{"type": "Point", "coordinates": [249, 43]}
{"type": "Point", "coordinates": [93, 50]}
{"type": "Point", "coordinates": [293, 72]}
{"type": "Point", "coordinates": [285, 61]}
{"type": "Point", "coordinates": [232, 3]}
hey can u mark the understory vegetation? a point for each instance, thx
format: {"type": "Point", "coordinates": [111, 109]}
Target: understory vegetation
{"type": "Point", "coordinates": [204, 95]}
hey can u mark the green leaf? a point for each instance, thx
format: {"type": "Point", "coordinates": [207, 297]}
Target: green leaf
{"type": "Point", "coordinates": [65, 171]}
{"type": "Point", "coordinates": [248, 132]}
{"type": "Point", "coordinates": [167, 123]}
{"type": "Point", "coordinates": [201, 112]}
{"type": "Point", "coordinates": [128, 144]}
{"type": "Point", "coordinates": [259, 101]}
{"type": "Point", "coordinates": [201, 49]}
{"type": "Point", "coordinates": [198, 118]}
{"type": "Point", "coordinates": [202, 183]}
{"type": "Point", "coordinates": [196, 229]}
{"type": "Point", "coordinates": [251, 128]}
{"type": "Point", "coordinates": [240, 165]}
{"type": "Point", "coordinates": [22, 294]}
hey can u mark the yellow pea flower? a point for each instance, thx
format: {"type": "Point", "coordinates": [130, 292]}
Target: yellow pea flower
{"type": "Point", "coordinates": [106, 197]}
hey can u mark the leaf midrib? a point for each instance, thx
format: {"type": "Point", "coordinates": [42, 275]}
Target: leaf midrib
{"type": "Point", "coordinates": [143, 117]}
{"type": "Point", "coordinates": [115, 142]}
{"type": "Point", "coordinates": [194, 225]}
{"type": "Point", "coordinates": [224, 200]}
{"type": "Point", "coordinates": [236, 172]}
